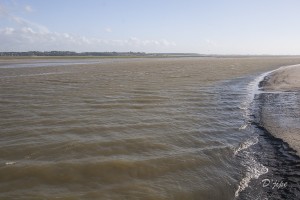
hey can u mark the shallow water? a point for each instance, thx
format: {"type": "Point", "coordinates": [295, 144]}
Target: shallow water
{"type": "Point", "coordinates": [278, 112]}
{"type": "Point", "coordinates": [133, 129]}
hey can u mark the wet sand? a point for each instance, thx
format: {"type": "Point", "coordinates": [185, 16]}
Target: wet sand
{"type": "Point", "coordinates": [284, 79]}
{"type": "Point", "coordinates": [282, 121]}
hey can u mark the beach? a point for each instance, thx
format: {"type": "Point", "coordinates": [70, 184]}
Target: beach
{"type": "Point", "coordinates": [283, 79]}
{"type": "Point", "coordinates": [282, 87]}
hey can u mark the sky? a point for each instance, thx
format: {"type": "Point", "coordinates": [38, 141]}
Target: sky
{"type": "Point", "coordinates": [152, 26]}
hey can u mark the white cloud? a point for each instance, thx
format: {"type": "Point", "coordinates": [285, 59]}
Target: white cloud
{"type": "Point", "coordinates": [107, 29]}
{"type": "Point", "coordinates": [24, 35]}
{"type": "Point", "coordinates": [25, 23]}
{"type": "Point", "coordinates": [28, 8]}
{"type": "Point", "coordinates": [8, 31]}
{"type": "Point", "coordinates": [28, 38]}
{"type": "Point", "coordinates": [211, 42]}
{"type": "Point", "coordinates": [138, 42]}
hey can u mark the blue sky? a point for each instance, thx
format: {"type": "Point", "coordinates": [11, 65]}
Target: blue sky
{"type": "Point", "coordinates": [208, 27]}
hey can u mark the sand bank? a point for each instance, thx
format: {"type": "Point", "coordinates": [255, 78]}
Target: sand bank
{"type": "Point", "coordinates": [280, 112]}
{"type": "Point", "coordinates": [284, 79]}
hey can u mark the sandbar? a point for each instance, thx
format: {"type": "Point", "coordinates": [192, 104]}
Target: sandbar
{"type": "Point", "coordinates": [280, 116]}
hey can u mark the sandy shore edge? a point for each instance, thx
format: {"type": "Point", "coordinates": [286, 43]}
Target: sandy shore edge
{"type": "Point", "coordinates": [285, 79]}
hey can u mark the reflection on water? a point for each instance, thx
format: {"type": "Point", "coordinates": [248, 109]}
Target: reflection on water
{"type": "Point", "coordinates": [135, 129]}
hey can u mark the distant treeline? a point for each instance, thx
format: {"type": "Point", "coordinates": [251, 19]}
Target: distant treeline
{"type": "Point", "coordinates": [72, 53]}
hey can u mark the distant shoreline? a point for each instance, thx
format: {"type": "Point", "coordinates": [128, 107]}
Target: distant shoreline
{"type": "Point", "coordinates": [72, 54]}
{"type": "Point", "coordinates": [102, 55]}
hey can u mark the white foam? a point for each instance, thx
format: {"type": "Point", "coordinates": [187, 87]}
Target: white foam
{"type": "Point", "coordinates": [246, 145]}
{"type": "Point", "coordinates": [10, 163]}
{"type": "Point", "coordinates": [48, 64]}
{"type": "Point", "coordinates": [254, 171]}
{"type": "Point", "coordinates": [244, 126]}
{"type": "Point", "coordinates": [252, 90]}
{"type": "Point", "coordinates": [40, 74]}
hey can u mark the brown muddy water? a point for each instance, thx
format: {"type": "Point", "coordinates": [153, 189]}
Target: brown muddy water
{"type": "Point", "coordinates": [149, 128]}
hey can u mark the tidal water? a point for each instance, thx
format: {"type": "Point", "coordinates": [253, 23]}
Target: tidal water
{"type": "Point", "coordinates": [170, 128]}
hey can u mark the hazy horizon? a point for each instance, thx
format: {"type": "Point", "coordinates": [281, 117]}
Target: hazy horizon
{"type": "Point", "coordinates": [215, 27]}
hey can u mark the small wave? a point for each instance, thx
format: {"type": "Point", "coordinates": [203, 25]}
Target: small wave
{"type": "Point", "coordinates": [254, 171]}
{"type": "Point", "coordinates": [10, 163]}
{"type": "Point", "coordinates": [244, 126]}
{"type": "Point", "coordinates": [47, 64]}
{"type": "Point", "coordinates": [246, 145]}
{"type": "Point", "coordinates": [252, 90]}
{"type": "Point", "coordinates": [28, 75]}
